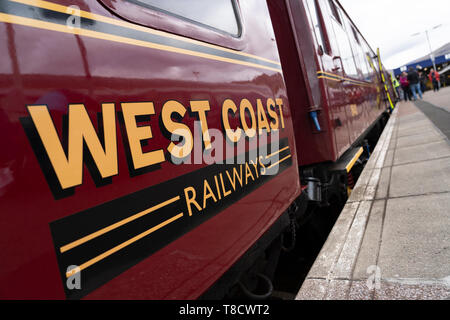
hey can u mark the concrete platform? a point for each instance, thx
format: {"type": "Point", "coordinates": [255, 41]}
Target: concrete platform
{"type": "Point", "coordinates": [392, 240]}
{"type": "Point", "coordinates": [440, 98]}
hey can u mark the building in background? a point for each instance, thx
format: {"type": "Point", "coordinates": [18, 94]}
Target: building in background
{"type": "Point", "coordinates": [442, 61]}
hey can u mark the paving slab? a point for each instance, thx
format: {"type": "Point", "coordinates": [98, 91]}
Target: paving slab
{"type": "Point", "coordinates": [338, 290]}
{"type": "Point", "coordinates": [422, 290]}
{"type": "Point", "coordinates": [416, 237]}
{"type": "Point", "coordinates": [323, 266]}
{"type": "Point", "coordinates": [368, 253]}
{"type": "Point", "coordinates": [427, 177]}
{"type": "Point", "coordinates": [344, 266]}
{"type": "Point", "coordinates": [423, 138]}
{"type": "Point", "coordinates": [416, 130]}
{"type": "Point", "coordinates": [361, 291]}
{"type": "Point", "coordinates": [392, 240]}
{"type": "Point", "coordinates": [429, 151]}
{"type": "Point", "coordinates": [412, 118]}
{"type": "Point", "coordinates": [383, 185]}
{"type": "Point", "coordinates": [422, 122]}
{"type": "Point", "coordinates": [313, 289]}
{"type": "Point", "coordinates": [389, 158]}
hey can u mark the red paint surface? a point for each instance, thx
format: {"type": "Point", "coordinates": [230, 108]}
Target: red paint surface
{"type": "Point", "coordinates": [47, 67]}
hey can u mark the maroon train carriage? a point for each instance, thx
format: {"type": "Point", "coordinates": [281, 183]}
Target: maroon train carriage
{"type": "Point", "coordinates": [116, 115]}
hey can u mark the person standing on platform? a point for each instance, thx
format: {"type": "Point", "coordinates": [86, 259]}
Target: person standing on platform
{"type": "Point", "coordinates": [434, 78]}
{"type": "Point", "coordinates": [396, 86]}
{"type": "Point", "coordinates": [422, 80]}
{"type": "Point", "coordinates": [414, 83]}
{"type": "Point", "coordinates": [405, 86]}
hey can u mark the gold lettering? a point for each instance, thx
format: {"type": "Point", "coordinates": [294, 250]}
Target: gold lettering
{"type": "Point", "coordinates": [225, 192]}
{"type": "Point", "coordinates": [201, 107]}
{"type": "Point", "coordinates": [263, 171]}
{"type": "Point", "coordinates": [273, 114]}
{"type": "Point", "coordinates": [262, 119]}
{"type": "Point", "coordinates": [217, 187]}
{"type": "Point", "coordinates": [69, 170]}
{"type": "Point", "coordinates": [208, 195]}
{"type": "Point", "coordinates": [235, 135]}
{"type": "Point", "coordinates": [255, 165]}
{"type": "Point", "coordinates": [235, 175]}
{"type": "Point", "coordinates": [280, 106]}
{"type": "Point", "coordinates": [179, 129]}
{"type": "Point", "coordinates": [248, 173]}
{"type": "Point", "coordinates": [135, 134]}
{"type": "Point", "coordinates": [246, 105]}
{"type": "Point", "coordinates": [191, 200]}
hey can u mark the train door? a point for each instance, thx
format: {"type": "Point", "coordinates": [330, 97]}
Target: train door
{"type": "Point", "coordinates": [360, 117]}
{"type": "Point", "coordinates": [338, 67]}
{"type": "Point", "coordinates": [298, 53]}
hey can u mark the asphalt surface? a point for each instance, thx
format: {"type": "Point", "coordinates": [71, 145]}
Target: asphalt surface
{"type": "Point", "coordinates": [439, 116]}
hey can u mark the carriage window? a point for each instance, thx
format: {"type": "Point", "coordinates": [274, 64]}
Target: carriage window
{"type": "Point", "coordinates": [334, 11]}
{"type": "Point", "coordinates": [319, 28]}
{"type": "Point", "coordinates": [358, 51]}
{"type": "Point", "coordinates": [355, 34]}
{"type": "Point", "coordinates": [342, 39]}
{"type": "Point", "coordinates": [217, 14]}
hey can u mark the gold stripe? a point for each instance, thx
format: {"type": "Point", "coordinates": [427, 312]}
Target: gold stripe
{"type": "Point", "coordinates": [104, 36]}
{"type": "Point", "coordinates": [330, 74]}
{"type": "Point", "coordinates": [121, 246]}
{"type": "Point", "coordinates": [353, 161]}
{"type": "Point", "coordinates": [272, 165]}
{"type": "Point", "coordinates": [97, 17]}
{"type": "Point", "coordinates": [334, 79]}
{"type": "Point", "coordinates": [341, 77]}
{"type": "Point", "coordinates": [336, 75]}
{"type": "Point", "coordinates": [339, 80]}
{"type": "Point", "coordinates": [270, 155]}
{"type": "Point", "coordinates": [116, 225]}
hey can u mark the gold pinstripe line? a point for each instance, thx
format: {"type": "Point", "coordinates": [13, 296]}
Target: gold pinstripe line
{"type": "Point", "coordinates": [281, 150]}
{"type": "Point", "coordinates": [329, 78]}
{"type": "Point", "coordinates": [63, 9]}
{"type": "Point", "coordinates": [105, 36]}
{"type": "Point", "coordinates": [344, 79]}
{"type": "Point", "coordinates": [278, 162]}
{"type": "Point", "coordinates": [341, 77]}
{"type": "Point", "coordinates": [116, 225]}
{"type": "Point", "coordinates": [121, 246]}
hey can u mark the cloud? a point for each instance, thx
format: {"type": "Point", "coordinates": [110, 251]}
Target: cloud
{"type": "Point", "coordinates": [390, 24]}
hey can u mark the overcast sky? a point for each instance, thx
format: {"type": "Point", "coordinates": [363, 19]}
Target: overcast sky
{"type": "Point", "coordinates": [389, 24]}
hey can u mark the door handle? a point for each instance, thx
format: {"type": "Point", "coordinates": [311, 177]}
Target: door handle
{"type": "Point", "coordinates": [342, 65]}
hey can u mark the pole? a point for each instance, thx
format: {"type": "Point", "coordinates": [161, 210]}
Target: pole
{"type": "Point", "coordinates": [431, 51]}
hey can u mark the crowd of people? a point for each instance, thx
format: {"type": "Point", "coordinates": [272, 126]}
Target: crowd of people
{"type": "Point", "coordinates": [411, 85]}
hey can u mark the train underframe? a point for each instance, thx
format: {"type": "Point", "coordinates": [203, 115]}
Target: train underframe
{"type": "Point", "coordinates": [276, 265]}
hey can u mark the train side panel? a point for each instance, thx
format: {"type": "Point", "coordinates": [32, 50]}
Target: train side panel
{"type": "Point", "coordinates": [344, 91]}
{"type": "Point", "coordinates": [89, 191]}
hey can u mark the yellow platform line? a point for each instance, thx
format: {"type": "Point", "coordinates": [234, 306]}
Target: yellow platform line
{"type": "Point", "coordinates": [354, 159]}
